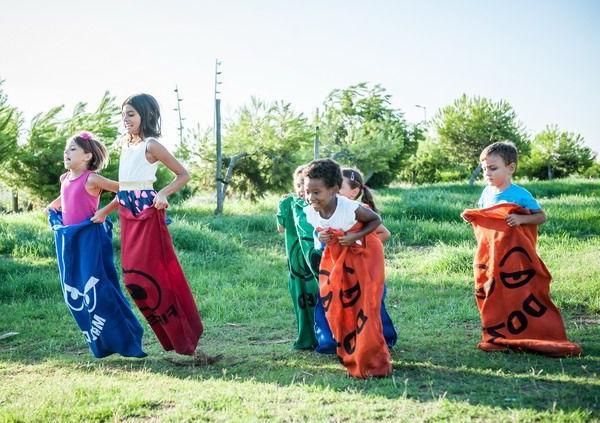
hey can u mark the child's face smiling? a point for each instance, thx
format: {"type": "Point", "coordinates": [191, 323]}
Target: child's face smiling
{"type": "Point", "coordinates": [497, 173]}
{"type": "Point", "coordinates": [319, 196]}
{"type": "Point", "coordinates": [131, 120]}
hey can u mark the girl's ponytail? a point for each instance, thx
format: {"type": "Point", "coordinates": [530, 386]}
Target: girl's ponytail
{"type": "Point", "coordinates": [367, 198]}
{"type": "Point", "coordinates": [356, 181]}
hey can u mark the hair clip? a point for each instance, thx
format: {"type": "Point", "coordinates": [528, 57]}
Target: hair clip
{"type": "Point", "coordinates": [352, 176]}
{"type": "Point", "coordinates": [85, 135]}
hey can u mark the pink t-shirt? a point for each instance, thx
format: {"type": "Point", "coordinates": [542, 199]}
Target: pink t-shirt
{"type": "Point", "coordinates": [77, 204]}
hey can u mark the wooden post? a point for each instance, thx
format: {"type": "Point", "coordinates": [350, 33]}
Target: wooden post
{"type": "Point", "coordinates": [218, 172]}
{"type": "Point", "coordinates": [474, 174]}
{"type": "Point", "coordinates": [218, 175]}
{"type": "Point", "coordinates": [15, 201]}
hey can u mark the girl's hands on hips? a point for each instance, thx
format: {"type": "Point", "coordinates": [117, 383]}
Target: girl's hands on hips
{"type": "Point", "coordinates": [160, 201]}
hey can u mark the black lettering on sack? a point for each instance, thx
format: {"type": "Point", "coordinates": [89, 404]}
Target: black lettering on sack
{"type": "Point", "coordinates": [325, 273]}
{"type": "Point", "coordinates": [153, 319]}
{"type": "Point", "coordinates": [493, 331]}
{"type": "Point", "coordinates": [541, 308]}
{"type": "Point", "coordinates": [522, 322]}
{"type": "Point", "coordinates": [350, 342]}
{"type": "Point", "coordinates": [350, 296]}
{"type": "Point", "coordinates": [144, 289]}
{"type": "Point", "coordinates": [361, 320]}
{"type": "Point", "coordinates": [163, 318]}
{"type": "Point", "coordinates": [517, 321]}
{"type": "Point", "coordinates": [518, 278]}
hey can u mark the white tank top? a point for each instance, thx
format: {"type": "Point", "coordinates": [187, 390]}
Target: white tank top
{"type": "Point", "coordinates": [134, 170]}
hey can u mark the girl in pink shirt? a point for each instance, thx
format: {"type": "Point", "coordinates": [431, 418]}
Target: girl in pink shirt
{"type": "Point", "coordinates": [81, 186]}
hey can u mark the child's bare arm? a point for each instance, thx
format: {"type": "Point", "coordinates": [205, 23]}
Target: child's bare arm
{"type": "Point", "coordinates": [55, 204]}
{"type": "Point", "coordinates": [536, 217]}
{"type": "Point", "coordinates": [160, 153]}
{"type": "Point", "coordinates": [382, 233]}
{"type": "Point", "coordinates": [97, 183]}
{"type": "Point", "coordinates": [100, 215]}
{"type": "Point", "coordinates": [371, 221]}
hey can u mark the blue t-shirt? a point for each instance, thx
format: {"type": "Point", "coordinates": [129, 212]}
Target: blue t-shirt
{"type": "Point", "coordinates": [513, 194]}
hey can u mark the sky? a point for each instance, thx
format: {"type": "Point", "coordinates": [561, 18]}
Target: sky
{"type": "Point", "coordinates": [543, 57]}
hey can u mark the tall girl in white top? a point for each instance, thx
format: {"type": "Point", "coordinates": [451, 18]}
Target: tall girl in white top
{"type": "Point", "coordinates": [140, 154]}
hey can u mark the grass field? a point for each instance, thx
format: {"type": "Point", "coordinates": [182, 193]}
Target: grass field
{"type": "Point", "coordinates": [237, 270]}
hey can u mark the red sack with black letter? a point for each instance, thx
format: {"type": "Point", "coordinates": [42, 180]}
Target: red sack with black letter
{"type": "Point", "coordinates": [155, 280]}
{"type": "Point", "coordinates": [351, 280]}
{"type": "Point", "coordinates": [512, 287]}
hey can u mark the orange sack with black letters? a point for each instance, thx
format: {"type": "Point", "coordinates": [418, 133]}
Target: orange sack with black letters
{"type": "Point", "coordinates": [512, 287]}
{"type": "Point", "coordinates": [351, 283]}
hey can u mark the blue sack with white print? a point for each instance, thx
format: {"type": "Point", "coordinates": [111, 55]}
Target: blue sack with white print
{"type": "Point", "coordinates": [90, 287]}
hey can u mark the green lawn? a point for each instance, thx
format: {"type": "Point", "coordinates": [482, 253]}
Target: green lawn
{"type": "Point", "coordinates": [237, 269]}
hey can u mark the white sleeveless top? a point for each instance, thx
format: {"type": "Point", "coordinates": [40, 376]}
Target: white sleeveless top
{"type": "Point", "coordinates": [134, 170]}
{"type": "Point", "coordinates": [343, 218]}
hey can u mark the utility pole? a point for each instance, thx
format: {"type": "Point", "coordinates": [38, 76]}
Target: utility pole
{"type": "Point", "coordinates": [316, 142]}
{"type": "Point", "coordinates": [218, 174]}
{"type": "Point", "coordinates": [178, 110]}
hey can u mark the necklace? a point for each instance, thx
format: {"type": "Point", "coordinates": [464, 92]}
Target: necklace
{"type": "Point", "coordinates": [133, 139]}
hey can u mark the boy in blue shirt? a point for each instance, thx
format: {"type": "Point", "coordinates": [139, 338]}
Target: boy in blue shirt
{"type": "Point", "coordinates": [499, 163]}
{"type": "Point", "coordinates": [512, 284]}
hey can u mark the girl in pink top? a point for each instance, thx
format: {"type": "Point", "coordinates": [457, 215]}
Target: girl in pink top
{"type": "Point", "coordinates": [81, 186]}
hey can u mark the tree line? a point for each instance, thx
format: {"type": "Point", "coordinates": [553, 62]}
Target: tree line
{"type": "Point", "coordinates": [265, 141]}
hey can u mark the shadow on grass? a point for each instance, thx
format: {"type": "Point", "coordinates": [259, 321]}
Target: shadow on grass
{"type": "Point", "coordinates": [412, 378]}
{"type": "Point", "coordinates": [435, 358]}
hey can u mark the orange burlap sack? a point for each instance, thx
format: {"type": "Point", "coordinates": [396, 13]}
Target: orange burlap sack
{"type": "Point", "coordinates": [512, 287]}
{"type": "Point", "coordinates": [351, 287]}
